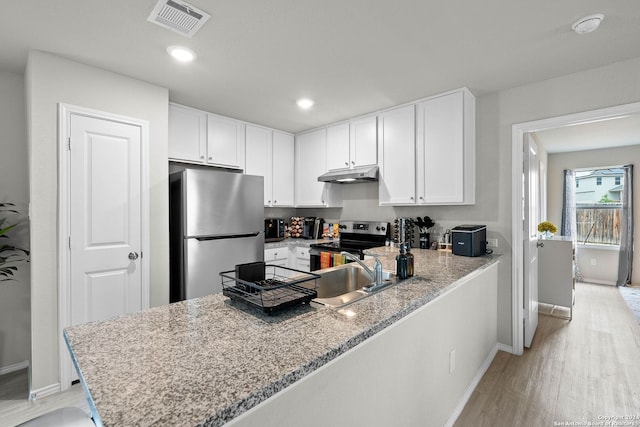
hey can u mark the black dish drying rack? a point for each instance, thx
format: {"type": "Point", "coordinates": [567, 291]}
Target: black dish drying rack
{"type": "Point", "coordinates": [267, 287]}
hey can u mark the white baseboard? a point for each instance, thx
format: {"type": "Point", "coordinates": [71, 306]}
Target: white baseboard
{"type": "Point", "coordinates": [506, 348]}
{"type": "Point", "coordinates": [474, 383]}
{"type": "Point", "coordinates": [44, 391]}
{"type": "Point", "coordinates": [14, 367]}
{"type": "Point", "coordinates": [598, 281]}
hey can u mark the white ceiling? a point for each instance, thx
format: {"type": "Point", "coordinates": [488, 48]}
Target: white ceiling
{"type": "Point", "coordinates": [255, 58]}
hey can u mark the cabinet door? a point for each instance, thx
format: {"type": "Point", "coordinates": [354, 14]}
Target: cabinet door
{"type": "Point", "coordinates": [187, 134]}
{"type": "Point", "coordinates": [396, 153]}
{"type": "Point", "coordinates": [441, 153]}
{"type": "Point", "coordinates": [311, 162]}
{"type": "Point", "coordinates": [258, 157]}
{"type": "Point", "coordinates": [364, 141]}
{"type": "Point", "coordinates": [338, 147]}
{"type": "Point", "coordinates": [225, 142]}
{"type": "Point", "coordinates": [282, 170]}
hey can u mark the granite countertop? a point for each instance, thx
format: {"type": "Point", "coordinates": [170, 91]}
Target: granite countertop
{"type": "Point", "coordinates": [205, 361]}
{"type": "Point", "coordinates": [294, 241]}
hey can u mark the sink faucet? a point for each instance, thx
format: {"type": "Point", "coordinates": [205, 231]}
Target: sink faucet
{"type": "Point", "coordinates": [376, 274]}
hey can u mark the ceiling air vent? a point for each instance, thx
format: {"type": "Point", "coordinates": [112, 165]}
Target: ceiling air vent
{"type": "Point", "coordinates": [178, 16]}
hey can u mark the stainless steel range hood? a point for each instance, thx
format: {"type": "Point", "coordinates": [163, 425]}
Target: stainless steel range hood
{"type": "Point", "coordinates": [353, 175]}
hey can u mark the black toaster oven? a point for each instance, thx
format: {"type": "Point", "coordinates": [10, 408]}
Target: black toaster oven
{"type": "Point", "coordinates": [273, 229]}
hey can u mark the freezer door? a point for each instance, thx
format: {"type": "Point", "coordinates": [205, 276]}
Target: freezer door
{"type": "Point", "coordinates": [205, 259]}
{"type": "Point", "coordinates": [219, 203]}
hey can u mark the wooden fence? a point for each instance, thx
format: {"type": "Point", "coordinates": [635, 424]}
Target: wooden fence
{"type": "Point", "coordinates": [599, 223]}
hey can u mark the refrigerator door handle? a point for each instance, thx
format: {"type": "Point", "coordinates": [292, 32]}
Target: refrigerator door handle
{"type": "Point", "coordinates": [227, 236]}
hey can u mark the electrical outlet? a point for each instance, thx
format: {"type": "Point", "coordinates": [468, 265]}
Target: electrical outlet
{"type": "Point", "coordinates": [492, 243]}
{"type": "Point", "coordinates": [593, 261]}
{"type": "Point", "coordinates": [452, 361]}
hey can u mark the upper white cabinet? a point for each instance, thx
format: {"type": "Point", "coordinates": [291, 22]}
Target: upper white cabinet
{"type": "Point", "coordinates": [199, 137]}
{"type": "Point", "coordinates": [187, 134]}
{"type": "Point", "coordinates": [225, 142]}
{"type": "Point", "coordinates": [363, 141]}
{"type": "Point", "coordinates": [259, 157]}
{"type": "Point", "coordinates": [310, 163]}
{"type": "Point", "coordinates": [270, 154]}
{"type": "Point", "coordinates": [445, 149]}
{"type": "Point", "coordinates": [338, 146]}
{"type": "Point", "coordinates": [282, 170]}
{"type": "Point", "coordinates": [352, 144]}
{"type": "Point", "coordinates": [396, 153]}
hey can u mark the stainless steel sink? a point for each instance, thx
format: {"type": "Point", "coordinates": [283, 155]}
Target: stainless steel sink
{"type": "Point", "coordinates": [341, 285]}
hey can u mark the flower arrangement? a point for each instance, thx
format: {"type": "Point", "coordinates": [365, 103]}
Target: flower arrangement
{"type": "Point", "coordinates": [547, 227]}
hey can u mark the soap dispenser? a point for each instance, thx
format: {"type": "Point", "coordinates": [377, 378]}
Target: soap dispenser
{"type": "Point", "coordinates": [401, 263]}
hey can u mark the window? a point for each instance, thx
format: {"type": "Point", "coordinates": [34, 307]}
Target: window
{"type": "Point", "coordinates": [598, 211]}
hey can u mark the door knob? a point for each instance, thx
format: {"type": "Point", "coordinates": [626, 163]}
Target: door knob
{"type": "Point", "coordinates": [133, 256]}
{"type": "Point", "coordinates": [540, 244]}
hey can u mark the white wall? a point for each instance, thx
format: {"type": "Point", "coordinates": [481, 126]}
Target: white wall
{"type": "Point", "coordinates": [606, 261]}
{"type": "Point", "coordinates": [51, 80]}
{"type": "Point", "coordinates": [15, 319]}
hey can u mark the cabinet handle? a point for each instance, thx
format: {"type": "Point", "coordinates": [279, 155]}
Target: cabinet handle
{"type": "Point", "coordinates": [346, 163]}
{"type": "Point", "coordinates": [210, 158]}
{"type": "Point", "coordinates": [201, 157]}
{"type": "Point", "coordinates": [352, 162]}
{"type": "Point", "coordinates": [268, 201]}
{"type": "Point", "coordinates": [421, 198]}
{"type": "Point", "coordinates": [275, 201]}
{"type": "Point", "coordinates": [411, 198]}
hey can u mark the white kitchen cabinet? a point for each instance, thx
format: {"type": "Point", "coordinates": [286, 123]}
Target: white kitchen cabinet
{"type": "Point", "coordinates": [310, 163]}
{"type": "Point", "coordinates": [445, 149]}
{"type": "Point", "coordinates": [338, 146]}
{"type": "Point", "coordinates": [352, 144]}
{"type": "Point", "coordinates": [396, 154]}
{"type": "Point", "coordinates": [363, 141]}
{"type": "Point", "coordinates": [258, 147]}
{"type": "Point", "coordinates": [199, 137]}
{"type": "Point", "coordinates": [270, 154]}
{"type": "Point", "coordinates": [225, 142]}
{"type": "Point", "coordinates": [303, 260]}
{"type": "Point", "coordinates": [556, 279]}
{"type": "Point", "coordinates": [187, 134]}
{"type": "Point", "coordinates": [282, 170]}
{"type": "Point", "coordinates": [277, 256]}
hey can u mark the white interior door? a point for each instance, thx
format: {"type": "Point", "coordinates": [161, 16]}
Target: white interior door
{"type": "Point", "coordinates": [530, 233]}
{"type": "Point", "coordinates": [105, 219]}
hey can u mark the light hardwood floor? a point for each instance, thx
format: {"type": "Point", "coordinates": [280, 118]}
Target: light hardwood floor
{"type": "Point", "coordinates": [577, 371]}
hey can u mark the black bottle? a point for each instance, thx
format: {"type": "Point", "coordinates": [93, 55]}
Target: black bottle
{"type": "Point", "coordinates": [401, 263]}
{"type": "Point", "coordinates": [409, 261]}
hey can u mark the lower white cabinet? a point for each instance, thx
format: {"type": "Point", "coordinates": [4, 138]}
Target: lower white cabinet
{"type": "Point", "coordinates": [277, 256]}
{"type": "Point", "coordinates": [556, 279]}
{"type": "Point", "coordinates": [303, 262]}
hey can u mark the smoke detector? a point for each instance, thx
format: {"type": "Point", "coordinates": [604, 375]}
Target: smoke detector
{"type": "Point", "coordinates": [178, 16]}
{"type": "Point", "coordinates": [587, 24]}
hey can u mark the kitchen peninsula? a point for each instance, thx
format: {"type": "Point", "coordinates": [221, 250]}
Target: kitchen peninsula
{"type": "Point", "coordinates": [407, 355]}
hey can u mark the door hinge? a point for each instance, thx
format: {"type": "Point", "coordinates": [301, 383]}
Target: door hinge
{"type": "Point", "coordinates": [69, 143]}
{"type": "Point", "coordinates": [69, 240]}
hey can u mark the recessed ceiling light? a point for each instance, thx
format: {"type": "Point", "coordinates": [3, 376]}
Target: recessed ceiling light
{"type": "Point", "coordinates": [587, 24]}
{"type": "Point", "coordinates": [305, 103]}
{"type": "Point", "coordinates": [182, 54]}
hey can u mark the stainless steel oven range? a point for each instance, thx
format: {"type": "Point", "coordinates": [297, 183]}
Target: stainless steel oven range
{"type": "Point", "coordinates": [355, 237]}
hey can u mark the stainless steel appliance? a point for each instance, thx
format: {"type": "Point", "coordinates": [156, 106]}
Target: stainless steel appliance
{"type": "Point", "coordinates": [216, 221]}
{"type": "Point", "coordinates": [274, 229]}
{"type": "Point", "coordinates": [355, 237]}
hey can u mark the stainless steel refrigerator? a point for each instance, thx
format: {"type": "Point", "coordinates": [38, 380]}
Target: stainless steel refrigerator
{"type": "Point", "coordinates": [216, 221]}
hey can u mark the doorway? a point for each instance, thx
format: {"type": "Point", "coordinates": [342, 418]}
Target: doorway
{"type": "Point", "coordinates": [103, 214]}
{"type": "Point", "coordinates": [519, 134]}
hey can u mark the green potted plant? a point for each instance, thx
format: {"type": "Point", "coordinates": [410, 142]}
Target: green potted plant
{"type": "Point", "coordinates": [10, 255]}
